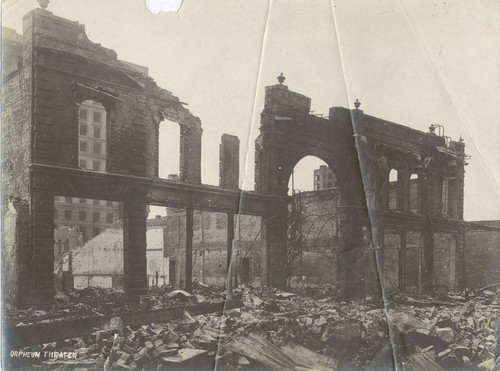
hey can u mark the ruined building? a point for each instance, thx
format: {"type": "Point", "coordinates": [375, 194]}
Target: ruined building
{"type": "Point", "coordinates": [53, 72]}
{"type": "Point", "coordinates": [324, 178]}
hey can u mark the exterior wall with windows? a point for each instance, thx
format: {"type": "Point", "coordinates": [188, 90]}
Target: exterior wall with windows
{"type": "Point", "coordinates": [90, 216]}
{"type": "Point", "coordinates": [210, 246]}
{"type": "Point", "coordinates": [324, 178]}
{"type": "Point", "coordinates": [92, 151]}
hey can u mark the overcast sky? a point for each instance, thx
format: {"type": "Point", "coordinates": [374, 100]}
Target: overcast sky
{"type": "Point", "coordinates": [411, 62]}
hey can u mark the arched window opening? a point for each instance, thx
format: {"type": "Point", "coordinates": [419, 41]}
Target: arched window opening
{"type": "Point", "coordinates": [169, 149]}
{"type": "Point", "coordinates": [394, 189]}
{"type": "Point", "coordinates": [414, 193]}
{"type": "Point", "coordinates": [92, 149]}
{"type": "Point", "coordinates": [393, 175]}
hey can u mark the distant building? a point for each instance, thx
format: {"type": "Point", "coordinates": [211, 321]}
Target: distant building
{"type": "Point", "coordinates": [324, 178]}
{"type": "Point", "coordinates": [91, 216]}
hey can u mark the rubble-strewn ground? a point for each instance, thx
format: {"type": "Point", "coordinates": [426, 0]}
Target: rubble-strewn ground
{"type": "Point", "coordinates": [305, 328]}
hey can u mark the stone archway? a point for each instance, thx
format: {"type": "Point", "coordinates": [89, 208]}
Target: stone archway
{"type": "Point", "coordinates": [288, 134]}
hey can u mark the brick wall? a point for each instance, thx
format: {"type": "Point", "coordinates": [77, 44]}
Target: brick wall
{"type": "Point", "coordinates": [16, 135]}
{"type": "Point", "coordinates": [229, 161]}
{"type": "Point", "coordinates": [392, 245]}
{"type": "Point", "coordinates": [444, 261]}
{"type": "Point", "coordinates": [68, 69]}
{"type": "Point", "coordinates": [482, 256]}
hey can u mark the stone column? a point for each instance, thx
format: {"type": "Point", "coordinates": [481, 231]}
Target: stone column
{"type": "Point", "coordinates": [229, 242]}
{"type": "Point", "coordinates": [134, 246]}
{"type": "Point", "coordinates": [379, 240]}
{"type": "Point", "coordinates": [190, 157]}
{"type": "Point", "coordinates": [42, 237]}
{"type": "Point", "coordinates": [402, 262]}
{"type": "Point", "coordinates": [189, 249]}
{"type": "Point", "coordinates": [274, 238]}
{"type": "Point", "coordinates": [460, 260]}
{"type": "Point", "coordinates": [404, 188]}
{"type": "Point", "coordinates": [351, 264]}
{"type": "Point", "coordinates": [428, 266]}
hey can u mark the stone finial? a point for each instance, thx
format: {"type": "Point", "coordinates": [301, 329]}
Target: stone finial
{"type": "Point", "coordinates": [281, 78]}
{"type": "Point", "coordinates": [357, 104]}
{"type": "Point", "coordinates": [432, 128]}
{"type": "Point", "coordinates": [43, 3]}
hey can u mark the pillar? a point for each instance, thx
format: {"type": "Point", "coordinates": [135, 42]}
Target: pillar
{"type": "Point", "coordinates": [134, 246]}
{"type": "Point", "coordinates": [229, 244]}
{"type": "Point", "coordinates": [274, 237]}
{"type": "Point", "coordinates": [402, 262]}
{"type": "Point", "coordinates": [404, 188]}
{"type": "Point", "coordinates": [351, 262]}
{"type": "Point", "coordinates": [428, 266]}
{"type": "Point", "coordinates": [460, 283]}
{"type": "Point", "coordinates": [229, 162]}
{"type": "Point", "coordinates": [378, 240]}
{"type": "Point", "coordinates": [189, 249]}
{"type": "Point", "coordinates": [190, 156]}
{"type": "Point", "coordinates": [42, 237]}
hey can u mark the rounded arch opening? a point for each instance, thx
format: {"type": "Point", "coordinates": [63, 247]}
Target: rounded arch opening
{"type": "Point", "coordinates": [311, 174]}
{"type": "Point", "coordinates": [313, 219]}
{"type": "Point", "coordinates": [169, 150]}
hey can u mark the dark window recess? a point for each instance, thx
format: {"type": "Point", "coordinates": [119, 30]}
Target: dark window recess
{"type": "Point", "coordinates": [97, 116]}
{"type": "Point", "coordinates": [83, 129]}
{"type": "Point", "coordinates": [96, 231]}
{"type": "Point", "coordinates": [68, 214]}
{"type": "Point", "coordinates": [96, 217]}
{"type": "Point", "coordinates": [83, 114]}
{"type": "Point", "coordinates": [82, 215]}
{"type": "Point", "coordinates": [109, 218]}
{"type": "Point", "coordinates": [97, 147]}
{"type": "Point", "coordinates": [83, 146]}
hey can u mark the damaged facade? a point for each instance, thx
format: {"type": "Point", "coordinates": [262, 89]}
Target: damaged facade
{"type": "Point", "coordinates": [362, 150]}
{"type": "Point", "coordinates": [80, 144]}
{"type": "Point", "coordinates": [52, 70]}
{"type": "Point", "coordinates": [70, 82]}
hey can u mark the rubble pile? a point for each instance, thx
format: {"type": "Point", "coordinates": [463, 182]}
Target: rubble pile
{"type": "Point", "coordinates": [279, 330]}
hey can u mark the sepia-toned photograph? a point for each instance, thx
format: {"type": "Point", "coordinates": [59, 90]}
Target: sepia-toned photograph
{"type": "Point", "coordinates": [250, 185]}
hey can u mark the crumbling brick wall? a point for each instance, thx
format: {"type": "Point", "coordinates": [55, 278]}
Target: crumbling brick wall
{"type": "Point", "coordinates": [444, 261]}
{"type": "Point", "coordinates": [482, 255]}
{"type": "Point", "coordinates": [229, 161]}
{"type": "Point", "coordinates": [16, 134]}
